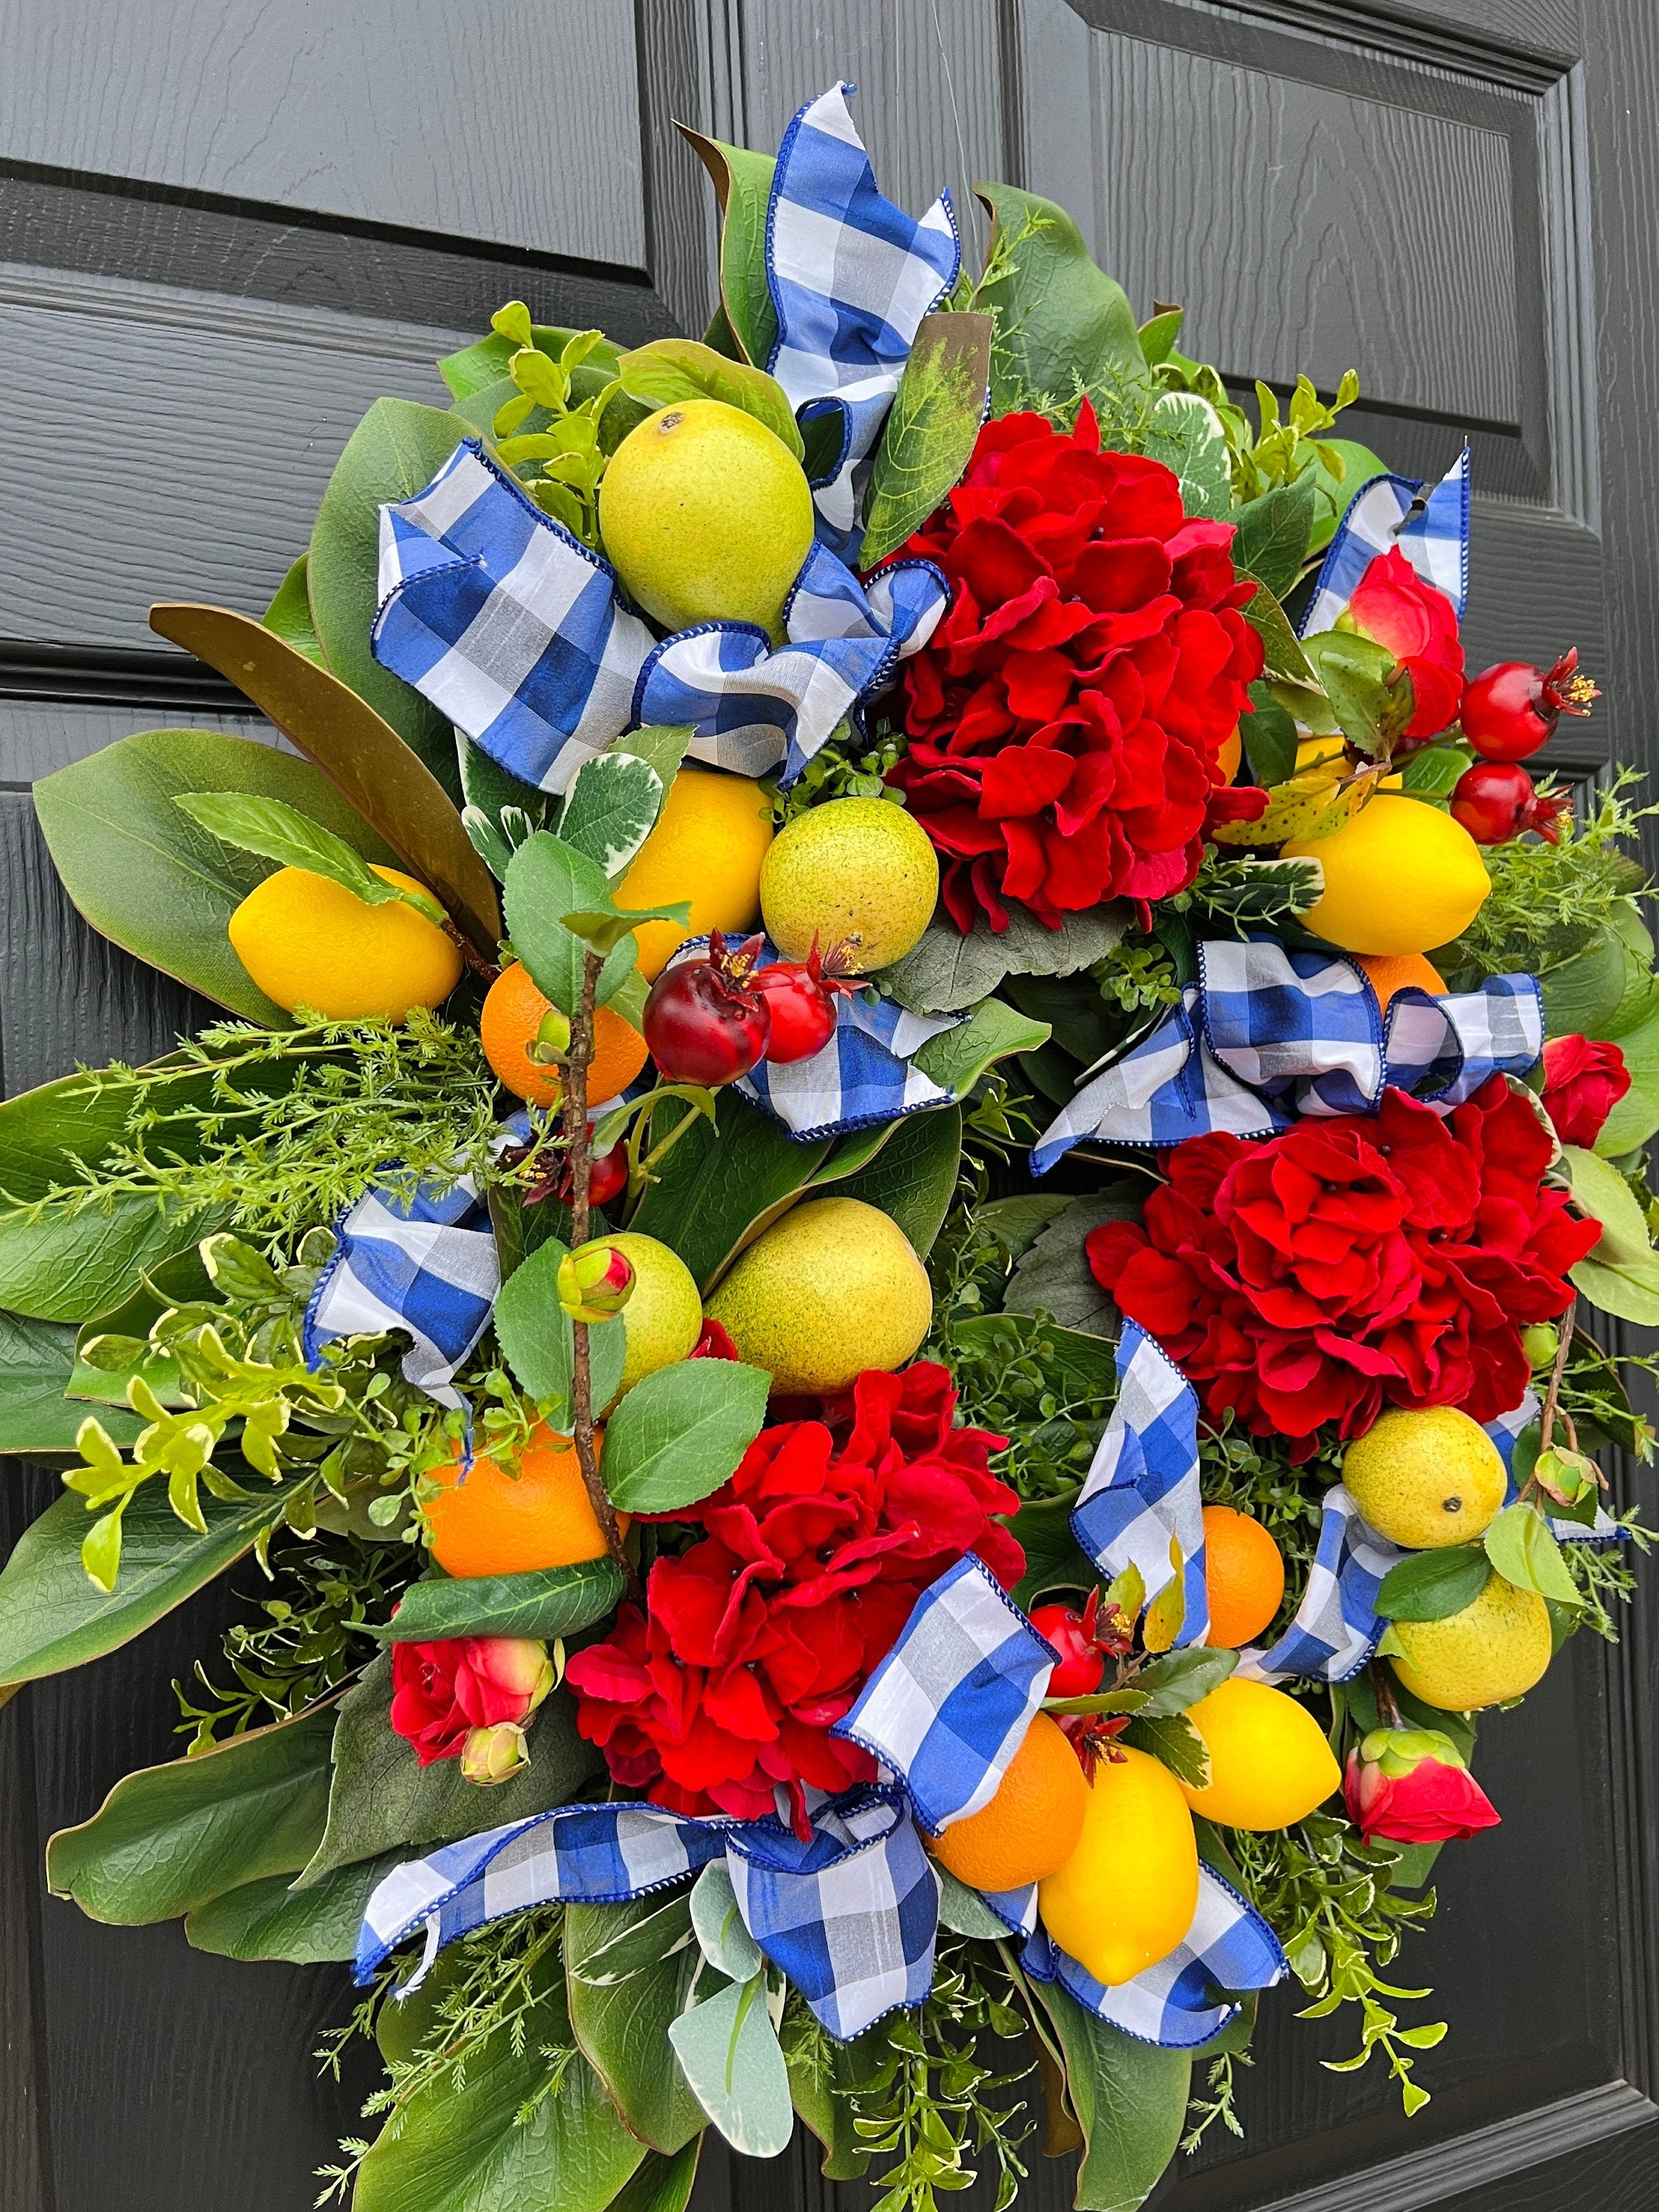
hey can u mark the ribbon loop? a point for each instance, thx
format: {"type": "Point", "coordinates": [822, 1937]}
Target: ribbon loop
{"type": "Point", "coordinates": [1141, 1505]}
{"type": "Point", "coordinates": [1430, 524]}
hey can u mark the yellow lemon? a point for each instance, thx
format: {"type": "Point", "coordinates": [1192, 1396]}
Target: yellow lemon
{"type": "Point", "coordinates": [707, 847]}
{"type": "Point", "coordinates": [831, 1289]}
{"type": "Point", "coordinates": [1425, 1476]}
{"type": "Point", "coordinates": [855, 875]}
{"type": "Point", "coordinates": [1269, 1761]}
{"type": "Point", "coordinates": [1399, 876]}
{"type": "Point", "coordinates": [306, 941]}
{"type": "Point", "coordinates": [707, 516]}
{"type": "Point", "coordinates": [1495, 1650]}
{"type": "Point", "coordinates": [1127, 1895]}
{"type": "Point", "coordinates": [664, 1314]}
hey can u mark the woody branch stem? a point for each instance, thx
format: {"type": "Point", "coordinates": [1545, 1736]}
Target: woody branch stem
{"type": "Point", "coordinates": [577, 1060]}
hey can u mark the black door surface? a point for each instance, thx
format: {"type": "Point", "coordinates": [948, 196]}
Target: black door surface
{"type": "Point", "coordinates": [225, 228]}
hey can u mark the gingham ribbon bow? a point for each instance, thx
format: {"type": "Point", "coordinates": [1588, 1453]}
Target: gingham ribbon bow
{"type": "Point", "coordinates": [1266, 1035]}
{"type": "Point", "coordinates": [1429, 523]}
{"type": "Point", "coordinates": [1141, 1496]}
{"type": "Point", "coordinates": [850, 1912]}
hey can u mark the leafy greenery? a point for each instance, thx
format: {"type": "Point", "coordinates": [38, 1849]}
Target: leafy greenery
{"type": "Point", "coordinates": [551, 430]}
{"type": "Point", "coordinates": [927, 440]}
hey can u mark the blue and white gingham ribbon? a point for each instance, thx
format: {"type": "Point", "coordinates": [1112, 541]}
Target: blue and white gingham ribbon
{"type": "Point", "coordinates": [850, 277]}
{"type": "Point", "coordinates": [517, 633]}
{"type": "Point", "coordinates": [851, 1913]}
{"type": "Point", "coordinates": [861, 1077]}
{"type": "Point", "coordinates": [1434, 539]}
{"type": "Point", "coordinates": [1139, 1504]}
{"type": "Point", "coordinates": [1267, 1035]}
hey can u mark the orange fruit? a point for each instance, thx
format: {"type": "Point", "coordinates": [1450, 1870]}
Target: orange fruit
{"type": "Point", "coordinates": [1031, 1827]}
{"type": "Point", "coordinates": [1399, 971]}
{"type": "Point", "coordinates": [489, 1522]}
{"type": "Point", "coordinates": [513, 1011]}
{"type": "Point", "coordinates": [1245, 1572]}
{"type": "Point", "coordinates": [1231, 753]}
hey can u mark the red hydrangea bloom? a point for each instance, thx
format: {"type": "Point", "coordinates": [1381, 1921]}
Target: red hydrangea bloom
{"type": "Point", "coordinates": [759, 1638]}
{"type": "Point", "coordinates": [1392, 604]}
{"type": "Point", "coordinates": [1347, 1264]}
{"type": "Point", "coordinates": [1065, 717]}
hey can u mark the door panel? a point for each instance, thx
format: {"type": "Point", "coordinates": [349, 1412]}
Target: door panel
{"type": "Point", "coordinates": [224, 230]}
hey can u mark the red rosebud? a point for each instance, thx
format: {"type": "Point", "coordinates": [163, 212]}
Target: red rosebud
{"type": "Point", "coordinates": [1411, 1786]}
{"type": "Point", "coordinates": [714, 1341]}
{"type": "Point", "coordinates": [441, 1692]}
{"type": "Point", "coordinates": [1418, 624]}
{"type": "Point", "coordinates": [1583, 1083]}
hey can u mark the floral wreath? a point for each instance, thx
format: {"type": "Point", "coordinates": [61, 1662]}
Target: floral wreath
{"type": "Point", "coordinates": [886, 1257]}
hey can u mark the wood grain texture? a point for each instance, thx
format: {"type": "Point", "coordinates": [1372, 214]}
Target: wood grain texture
{"type": "Point", "coordinates": [1303, 228]}
{"type": "Point", "coordinates": [183, 455]}
{"type": "Point", "coordinates": [929, 98]}
{"type": "Point", "coordinates": [372, 109]}
{"type": "Point", "coordinates": [38, 737]}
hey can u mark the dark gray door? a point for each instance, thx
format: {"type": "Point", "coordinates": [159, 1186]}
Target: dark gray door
{"type": "Point", "coordinates": [225, 228]}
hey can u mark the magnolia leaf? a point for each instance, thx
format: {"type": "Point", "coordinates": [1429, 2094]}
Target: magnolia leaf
{"type": "Point", "coordinates": [271, 1919]}
{"type": "Point", "coordinates": [281, 834]}
{"type": "Point", "coordinates": [290, 614]}
{"type": "Point", "coordinates": [1186, 435]}
{"type": "Point", "coordinates": [629, 1970]}
{"type": "Point", "coordinates": [912, 1178]}
{"type": "Point", "coordinates": [1130, 2099]}
{"type": "Point", "coordinates": [670, 370]}
{"type": "Point", "coordinates": [946, 972]}
{"type": "Point", "coordinates": [1063, 325]}
{"type": "Point", "coordinates": [742, 185]}
{"type": "Point", "coordinates": [167, 1839]}
{"type": "Point", "coordinates": [37, 1365]}
{"type": "Point", "coordinates": [609, 809]}
{"type": "Point", "coordinates": [719, 1185]}
{"type": "Point", "coordinates": [660, 2184]}
{"type": "Point", "coordinates": [1053, 1276]}
{"type": "Point", "coordinates": [928, 438]}
{"type": "Point", "coordinates": [542, 1602]}
{"type": "Point", "coordinates": [1522, 1549]}
{"type": "Point", "coordinates": [1043, 1526]}
{"type": "Point", "coordinates": [680, 1432]}
{"type": "Point", "coordinates": [729, 2052]}
{"type": "Point", "coordinates": [1180, 1678]}
{"type": "Point", "coordinates": [1433, 1585]}
{"type": "Point", "coordinates": [1173, 1739]}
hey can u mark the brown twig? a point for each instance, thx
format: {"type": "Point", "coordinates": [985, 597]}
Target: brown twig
{"type": "Point", "coordinates": [1387, 1703]}
{"type": "Point", "coordinates": [580, 1156]}
{"type": "Point", "coordinates": [1547, 1423]}
{"type": "Point", "coordinates": [485, 970]}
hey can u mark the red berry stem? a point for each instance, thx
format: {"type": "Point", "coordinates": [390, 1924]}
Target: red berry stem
{"type": "Point", "coordinates": [581, 1153]}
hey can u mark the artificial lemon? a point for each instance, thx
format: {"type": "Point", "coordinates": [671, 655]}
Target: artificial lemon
{"type": "Point", "coordinates": [1127, 1895]}
{"type": "Point", "coordinates": [664, 1314]}
{"type": "Point", "coordinates": [1425, 1476]}
{"type": "Point", "coordinates": [1495, 1650]}
{"type": "Point", "coordinates": [1399, 876]}
{"type": "Point", "coordinates": [707, 517]}
{"type": "Point", "coordinates": [1031, 1827]}
{"type": "Point", "coordinates": [1269, 1762]}
{"type": "Point", "coordinates": [830, 1290]}
{"type": "Point", "coordinates": [707, 847]}
{"type": "Point", "coordinates": [856, 877]}
{"type": "Point", "coordinates": [307, 941]}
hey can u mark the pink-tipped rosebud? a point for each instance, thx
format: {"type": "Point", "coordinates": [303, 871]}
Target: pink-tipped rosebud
{"type": "Point", "coordinates": [494, 1754]}
{"type": "Point", "coordinates": [446, 1691]}
{"type": "Point", "coordinates": [1411, 1786]}
{"type": "Point", "coordinates": [595, 1281]}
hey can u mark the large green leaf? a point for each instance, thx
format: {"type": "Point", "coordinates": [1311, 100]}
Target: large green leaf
{"type": "Point", "coordinates": [459, 2146]}
{"type": "Point", "coordinates": [913, 1175]}
{"type": "Point", "coordinates": [955, 1058]}
{"type": "Point", "coordinates": [729, 2052]}
{"type": "Point", "coordinates": [1062, 324]}
{"type": "Point", "coordinates": [719, 1184]}
{"type": "Point", "coordinates": [946, 972]}
{"type": "Point", "coordinates": [628, 1972]}
{"type": "Point", "coordinates": [743, 185]}
{"type": "Point", "coordinates": [667, 371]}
{"type": "Point", "coordinates": [658, 2183]}
{"type": "Point", "coordinates": [821, 2074]}
{"type": "Point", "coordinates": [1081, 1366]}
{"type": "Point", "coordinates": [382, 1796]}
{"type": "Point", "coordinates": [271, 1919]}
{"type": "Point", "coordinates": [37, 1359]}
{"type": "Point", "coordinates": [394, 453]}
{"type": "Point", "coordinates": [289, 614]}
{"type": "Point", "coordinates": [548, 1602]}
{"type": "Point", "coordinates": [156, 882]}
{"type": "Point", "coordinates": [1054, 1559]}
{"type": "Point", "coordinates": [680, 1432]}
{"type": "Point", "coordinates": [169, 1838]}
{"type": "Point", "coordinates": [927, 440]}
{"type": "Point", "coordinates": [52, 1617]}
{"type": "Point", "coordinates": [1053, 1276]}
{"type": "Point", "coordinates": [67, 1266]}
{"type": "Point", "coordinates": [1130, 2100]}
{"type": "Point", "coordinates": [546, 879]}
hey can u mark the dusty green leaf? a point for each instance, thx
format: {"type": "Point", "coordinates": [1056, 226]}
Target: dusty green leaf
{"type": "Point", "coordinates": [946, 972]}
{"type": "Point", "coordinates": [955, 1058]}
{"type": "Point", "coordinates": [1052, 1277]}
{"type": "Point", "coordinates": [729, 2053]}
{"type": "Point", "coordinates": [628, 1971]}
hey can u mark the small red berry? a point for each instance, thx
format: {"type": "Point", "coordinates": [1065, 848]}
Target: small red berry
{"type": "Point", "coordinates": [703, 1023]}
{"type": "Point", "coordinates": [1495, 802]}
{"type": "Point", "coordinates": [1082, 1663]}
{"type": "Point", "coordinates": [1511, 709]}
{"type": "Point", "coordinates": [803, 1010]}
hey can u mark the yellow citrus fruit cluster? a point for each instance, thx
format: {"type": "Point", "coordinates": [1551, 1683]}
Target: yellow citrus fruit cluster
{"type": "Point", "coordinates": [307, 941]}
